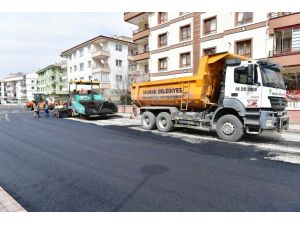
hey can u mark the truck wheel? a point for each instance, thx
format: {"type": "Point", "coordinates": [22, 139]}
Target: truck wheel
{"type": "Point", "coordinates": [230, 128]}
{"type": "Point", "coordinates": [148, 120]}
{"type": "Point", "coordinates": [164, 122]}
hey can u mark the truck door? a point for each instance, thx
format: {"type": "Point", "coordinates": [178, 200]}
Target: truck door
{"type": "Point", "coordinates": [249, 93]}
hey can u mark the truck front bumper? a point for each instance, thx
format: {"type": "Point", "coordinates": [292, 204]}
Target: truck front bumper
{"type": "Point", "coordinates": [270, 120]}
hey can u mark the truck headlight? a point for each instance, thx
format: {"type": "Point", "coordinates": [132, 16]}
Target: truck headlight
{"type": "Point", "coordinates": [269, 123]}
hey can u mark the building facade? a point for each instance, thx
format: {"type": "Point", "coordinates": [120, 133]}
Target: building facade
{"type": "Point", "coordinates": [17, 88]}
{"type": "Point", "coordinates": [51, 81]}
{"type": "Point", "coordinates": [170, 44]}
{"type": "Point", "coordinates": [14, 89]}
{"type": "Point", "coordinates": [104, 59]}
{"type": "Point", "coordinates": [30, 80]}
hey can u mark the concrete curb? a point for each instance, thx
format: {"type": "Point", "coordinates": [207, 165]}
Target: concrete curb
{"type": "Point", "coordinates": [8, 203]}
{"type": "Point", "coordinates": [293, 131]}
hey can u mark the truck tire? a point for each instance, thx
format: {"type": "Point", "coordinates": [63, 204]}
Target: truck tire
{"type": "Point", "coordinates": [164, 122]}
{"type": "Point", "coordinates": [229, 128]}
{"type": "Point", "coordinates": [148, 120]}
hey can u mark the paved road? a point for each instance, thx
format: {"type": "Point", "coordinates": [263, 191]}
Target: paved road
{"type": "Point", "coordinates": [64, 165]}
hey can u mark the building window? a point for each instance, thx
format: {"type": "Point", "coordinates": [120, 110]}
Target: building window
{"type": "Point", "coordinates": [185, 33]}
{"type": "Point", "coordinates": [119, 78]}
{"type": "Point", "coordinates": [162, 40]}
{"type": "Point", "coordinates": [75, 68]}
{"type": "Point", "coordinates": [163, 64]}
{"type": "Point", "coordinates": [89, 49]}
{"type": "Point", "coordinates": [105, 78]}
{"type": "Point", "coordinates": [90, 77]}
{"type": "Point", "coordinates": [185, 59]}
{"type": "Point", "coordinates": [81, 66]}
{"type": "Point", "coordinates": [209, 51]}
{"type": "Point", "coordinates": [32, 81]}
{"type": "Point", "coordinates": [243, 48]}
{"type": "Point", "coordinates": [210, 25]}
{"type": "Point", "coordinates": [118, 47]}
{"type": "Point", "coordinates": [243, 18]}
{"type": "Point", "coordinates": [81, 52]}
{"type": "Point", "coordinates": [118, 62]}
{"type": "Point", "coordinates": [162, 17]}
{"type": "Point", "coordinates": [32, 88]}
{"type": "Point", "coordinates": [74, 55]}
{"type": "Point", "coordinates": [70, 57]}
{"type": "Point", "coordinates": [70, 69]}
{"type": "Point", "coordinates": [283, 41]}
{"type": "Point", "coordinates": [89, 64]}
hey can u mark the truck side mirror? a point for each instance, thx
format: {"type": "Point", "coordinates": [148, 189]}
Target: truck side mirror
{"type": "Point", "coordinates": [250, 74]}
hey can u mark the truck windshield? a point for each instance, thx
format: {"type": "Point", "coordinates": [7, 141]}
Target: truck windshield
{"type": "Point", "coordinates": [272, 77]}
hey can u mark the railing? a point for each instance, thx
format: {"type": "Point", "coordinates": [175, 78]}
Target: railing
{"type": "Point", "coordinates": [140, 30]}
{"type": "Point", "coordinates": [142, 51]}
{"type": "Point", "coordinates": [139, 77]}
{"type": "Point", "coordinates": [99, 66]}
{"type": "Point", "coordinates": [278, 14]}
{"type": "Point", "coordinates": [283, 52]}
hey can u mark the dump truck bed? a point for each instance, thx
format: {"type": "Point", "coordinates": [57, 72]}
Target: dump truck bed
{"type": "Point", "coordinates": [193, 92]}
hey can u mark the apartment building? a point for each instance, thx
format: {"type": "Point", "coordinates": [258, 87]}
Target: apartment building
{"type": "Point", "coordinates": [18, 88]}
{"type": "Point", "coordinates": [170, 44]}
{"type": "Point", "coordinates": [104, 59]}
{"type": "Point", "coordinates": [14, 89]}
{"type": "Point", "coordinates": [52, 82]}
{"type": "Point", "coordinates": [30, 80]}
{"type": "Point", "coordinates": [284, 28]}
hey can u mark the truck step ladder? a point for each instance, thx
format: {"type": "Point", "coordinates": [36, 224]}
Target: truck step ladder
{"type": "Point", "coordinates": [184, 103]}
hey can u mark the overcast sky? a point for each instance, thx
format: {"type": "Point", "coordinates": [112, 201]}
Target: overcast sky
{"type": "Point", "coordinates": [29, 41]}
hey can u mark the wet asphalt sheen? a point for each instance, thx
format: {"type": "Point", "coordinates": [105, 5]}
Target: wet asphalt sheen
{"type": "Point", "coordinates": [62, 165]}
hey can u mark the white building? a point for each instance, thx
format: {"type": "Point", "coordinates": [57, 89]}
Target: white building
{"type": "Point", "coordinates": [14, 88]}
{"type": "Point", "coordinates": [170, 44]}
{"type": "Point", "coordinates": [104, 59]}
{"type": "Point", "coordinates": [30, 85]}
{"type": "Point", "coordinates": [244, 33]}
{"type": "Point", "coordinates": [18, 88]}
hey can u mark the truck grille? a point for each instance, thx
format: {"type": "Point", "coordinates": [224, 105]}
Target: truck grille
{"type": "Point", "coordinates": [278, 103]}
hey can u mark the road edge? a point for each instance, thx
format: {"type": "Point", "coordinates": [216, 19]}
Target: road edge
{"type": "Point", "coordinates": [8, 203]}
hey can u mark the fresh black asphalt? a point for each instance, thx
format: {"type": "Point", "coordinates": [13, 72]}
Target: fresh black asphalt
{"type": "Point", "coordinates": [62, 165]}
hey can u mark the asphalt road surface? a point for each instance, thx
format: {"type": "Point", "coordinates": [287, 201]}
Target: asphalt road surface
{"type": "Point", "coordinates": [51, 164]}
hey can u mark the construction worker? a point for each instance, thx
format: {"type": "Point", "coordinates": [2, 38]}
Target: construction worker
{"type": "Point", "coordinates": [36, 109]}
{"type": "Point", "coordinates": [46, 109]}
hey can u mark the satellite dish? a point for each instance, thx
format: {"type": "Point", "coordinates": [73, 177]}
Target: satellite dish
{"type": "Point", "coordinates": [102, 61]}
{"type": "Point", "coordinates": [101, 44]}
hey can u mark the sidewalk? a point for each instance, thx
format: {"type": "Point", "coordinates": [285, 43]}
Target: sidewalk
{"type": "Point", "coordinates": [8, 204]}
{"type": "Point", "coordinates": [294, 128]}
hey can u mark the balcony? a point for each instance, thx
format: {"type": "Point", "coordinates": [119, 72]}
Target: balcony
{"type": "Point", "coordinates": [64, 64]}
{"type": "Point", "coordinates": [280, 20]}
{"type": "Point", "coordinates": [131, 17]}
{"type": "Point", "coordinates": [139, 77]}
{"type": "Point", "coordinates": [142, 55]}
{"type": "Point", "coordinates": [285, 57]}
{"type": "Point", "coordinates": [140, 34]}
{"type": "Point", "coordinates": [100, 54]}
{"type": "Point", "coordinates": [130, 57]}
{"type": "Point", "coordinates": [100, 68]}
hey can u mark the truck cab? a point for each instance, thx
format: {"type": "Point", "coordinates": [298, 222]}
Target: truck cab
{"type": "Point", "coordinates": [257, 90]}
